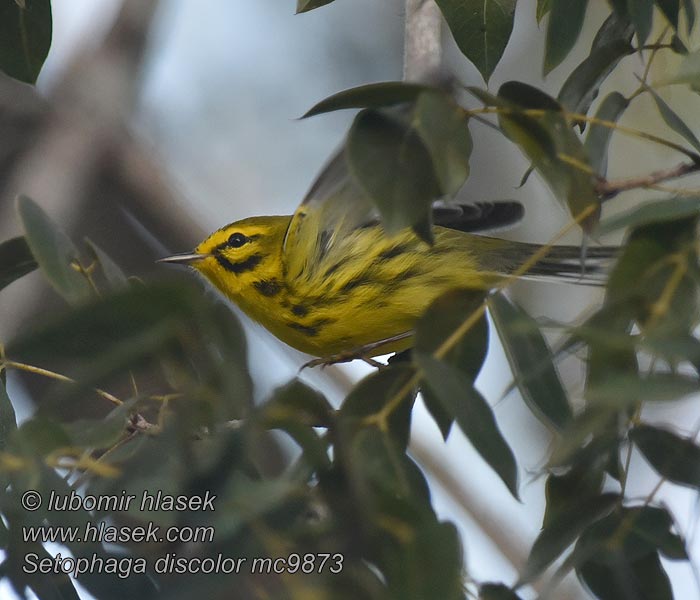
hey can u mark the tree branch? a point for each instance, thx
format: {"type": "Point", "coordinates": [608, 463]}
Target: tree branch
{"type": "Point", "coordinates": [423, 42]}
{"type": "Point", "coordinates": [609, 189]}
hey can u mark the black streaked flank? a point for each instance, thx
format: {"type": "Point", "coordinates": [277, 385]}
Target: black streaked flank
{"type": "Point", "coordinates": [268, 287]}
{"type": "Point", "coordinates": [241, 267]}
{"type": "Point", "coordinates": [393, 252]}
{"type": "Point", "coordinates": [300, 310]}
{"type": "Point", "coordinates": [306, 329]}
{"type": "Point", "coordinates": [312, 328]}
{"type": "Point", "coordinates": [332, 269]}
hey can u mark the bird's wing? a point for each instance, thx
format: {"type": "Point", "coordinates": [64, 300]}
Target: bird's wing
{"type": "Point", "coordinates": [320, 232]}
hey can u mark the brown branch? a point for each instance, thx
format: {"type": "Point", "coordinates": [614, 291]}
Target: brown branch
{"type": "Point", "coordinates": [609, 189]}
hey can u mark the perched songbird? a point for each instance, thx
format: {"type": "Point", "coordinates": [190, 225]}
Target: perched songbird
{"type": "Point", "coordinates": [328, 280]}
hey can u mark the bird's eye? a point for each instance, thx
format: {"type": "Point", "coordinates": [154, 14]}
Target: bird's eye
{"type": "Point", "coordinates": [236, 240]}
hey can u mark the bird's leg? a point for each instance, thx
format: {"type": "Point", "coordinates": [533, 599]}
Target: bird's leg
{"type": "Point", "coordinates": [360, 352]}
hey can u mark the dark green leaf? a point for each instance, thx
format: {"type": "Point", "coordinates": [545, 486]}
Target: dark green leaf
{"type": "Point", "coordinates": [443, 128]}
{"type": "Point", "coordinates": [87, 433]}
{"type": "Point", "coordinates": [25, 38]}
{"type": "Point", "coordinates": [54, 252]}
{"type": "Point", "coordinates": [670, 8]}
{"type": "Point", "coordinates": [371, 394]}
{"type": "Point", "coordinates": [611, 44]}
{"type": "Point", "coordinates": [531, 361]}
{"type": "Point", "coordinates": [300, 401]}
{"type": "Point", "coordinates": [123, 328]}
{"type": "Point", "coordinates": [643, 579]}
{"type": "Point", "coordinates": [689, 7]}
{"type": "Point", "coordinates": [307, 5]}
{"type": "Point", "coordinates": [627, 390]}
{"type": "Point", "coordinates": [439, 322]}
{"type": "Point", "coordinates": [543, 7]}
{"type": "Point", "coordinates": [8, 421]}
{"type": "Point", "coordinates": [16, 261]}
{"type": "Point", "coordinates": [641, 13]}
{"type": "Point", "coordinates": [550, 144]}
{"type": "Point", "coordinates": [38, 437]}
{"type": "Point", "coordinates": [668, 209]}
{"type": "Point", "coordinates": [678, 46]}
{"type": "Point", "coordinates": [565, 23]}
{"type": "Point", "coordinates": [673, 120]}
{"type": "Point", "coordinates": [393, 166]}
{"type": "Point", "coordinates": [473, 415]}
{"type": "Point", "coordinates": [481, 29]}
{"type": "Point", "coordinates": [562, 531]}
{"type": "Point", "coordinates": [673, 457]}
{"type": "Point", "coordinates": [598, 139]}
{"type": "Point", "coordinates": [565, 493]}
{"type": "Point", "coordinates": [443, 317]}
{"type": "Point", "coordinates": [115, 277]}
{"type": "Point", "coordinates": [296, 408]}
{"type": "Point", "coordinates": [428, 565]}
{"type": "Point", "coordinates": [496, 591]}
{"type": "Point", "coordinates": [373, 95]}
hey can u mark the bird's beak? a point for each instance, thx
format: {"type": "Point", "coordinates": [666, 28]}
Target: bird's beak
{"type": "Point", "coordinates": [185, 258]}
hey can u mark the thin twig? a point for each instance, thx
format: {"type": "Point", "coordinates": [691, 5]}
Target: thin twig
{"type": "Point", "coordinates": [609, 189]}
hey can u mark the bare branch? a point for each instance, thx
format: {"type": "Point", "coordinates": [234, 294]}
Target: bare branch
{"type": "Point", "coordinates": [423, 42]}
{"type": "Point", "coordinates": [609, 189]}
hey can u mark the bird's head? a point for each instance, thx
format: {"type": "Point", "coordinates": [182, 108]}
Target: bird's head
{"type": "Point", "coordinates": [236, 256]}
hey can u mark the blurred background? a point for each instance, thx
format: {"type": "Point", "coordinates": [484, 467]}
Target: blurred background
{"type": "Point", "coordinates": [156, 123]}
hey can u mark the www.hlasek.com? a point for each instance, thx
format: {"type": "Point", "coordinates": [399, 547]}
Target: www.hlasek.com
{"type": "Point", "coordinates": [95, 533]}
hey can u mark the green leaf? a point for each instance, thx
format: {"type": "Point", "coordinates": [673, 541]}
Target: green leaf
{"type": "Point", "coordinates": [25, 38]}
{"type": "Point", "coordinates": [531, 361]}
{"type": "Point", "coordinates": [473, 415]}
{"type": "Point", "coordinates": [673, 120]}
{"type": "Point", "coordinates": [670, 9]}
{"type": "Point", "coordinates": [428, 565]}
{"type": "Point", "coordinates": [611, 44]}
{"type": "Point", "coordinates": [119, 330]}
{"type": "Point", "coordinates": [668, 209]}
{"type": "Point", "coordinates": [88, 433]}
{"type": "Point", "coordinates": [598, 138]}
{"type": "Point", "coordinates": [496, 591]}
{"type": "Point", "coordinates": [438, 322]}
{"type": "Point", "coordinates": [564, 27]}
{"type": "Point", "coordinates": [446, 314]}
{"type": "Point", "coordinates": [115, 277]}
{"type": "Point", "coordinates": [550, 144]}
{"type": "Point", "coordinates": [562, 531]}
{"type": "Point", "coordinates": [626, 390]}
{"type": "Point", "coordinates": [307, 5]}
{"type": "Point", "coordinates": [16, 261]}
{"type": "Point", "coordinates": [373, 95]}
{"type": "Point", "coordinates": [8, 420]}
{"type": "Point", "coordinates": [481, 29]}
{"type": "Point", "coordinates": [371, 394]}
{"type": "Point", "coordinates": [54, 252]}
{"type": "Point", "coordinates": [688, 72]}
{"type": "Point", "coordinates": [673, 457]}
{"type": "Point", "coordinates": [443, 128]}
{"type": "Point", "coordinates": [300, 401]}
{"type": "Point", "coordinates": [641, 13]}
{"type": "Point", "coordinates": [689, 7]}
{"type": "Point", "coordinates": [565, 493]}
{"type": "Point", "coordinates": [643, 579]}
{"type": "Point", "coordinates": [543, 7]}
{"type": "Point", "coordinates": [393, 166]}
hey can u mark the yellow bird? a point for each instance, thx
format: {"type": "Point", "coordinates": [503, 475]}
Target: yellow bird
{"type": "Point", "coordinates": [330, 282]}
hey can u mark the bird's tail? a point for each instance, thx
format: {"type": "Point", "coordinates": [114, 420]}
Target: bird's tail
{"type": "Point", "coordinates": [574, 264]}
